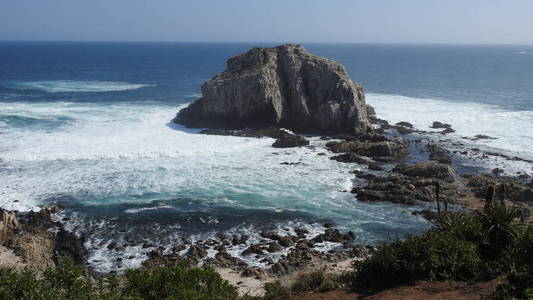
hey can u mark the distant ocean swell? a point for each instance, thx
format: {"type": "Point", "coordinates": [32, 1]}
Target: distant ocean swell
{"type": "Point", "coordinates": [73, 86]}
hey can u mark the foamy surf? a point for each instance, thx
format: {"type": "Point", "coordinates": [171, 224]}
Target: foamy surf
{"type": "Point", "coordinates": [119, 163]}
{"type": "Point", "coordinates": [512, 130]}
{"type": "Point", "coordinates": [74, 86]}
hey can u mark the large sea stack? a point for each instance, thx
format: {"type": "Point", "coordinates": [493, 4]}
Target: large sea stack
{"type": "Point", "coordinates": [283, 86]}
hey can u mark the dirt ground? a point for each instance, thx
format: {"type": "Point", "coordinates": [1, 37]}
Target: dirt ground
{"type": "Point", "coordinates": [421, 290]}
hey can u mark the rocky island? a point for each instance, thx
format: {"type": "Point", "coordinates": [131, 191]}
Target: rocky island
{"type": "Point", "coordinates": [283, 86]}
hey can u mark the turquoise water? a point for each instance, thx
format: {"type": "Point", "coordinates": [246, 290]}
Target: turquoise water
{"type": "Point", "coordinates": [87, 125]}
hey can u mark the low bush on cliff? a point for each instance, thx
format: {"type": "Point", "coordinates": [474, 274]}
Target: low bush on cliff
{"type": "Point", "coordinates": [519, 283]}
{"type": "Point", "coordinates": [464, 247]}
{"type": "Point", "coordinates": [68, 281]}
{"type": "Point", "coordinates": [305, 282]}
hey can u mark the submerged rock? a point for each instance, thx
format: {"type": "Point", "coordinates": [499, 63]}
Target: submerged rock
{"type": "Point", "coordinates": [447, 127]}
{"type": "Point", "coordinates": [289, 141]}
{"type": "Point", "coordinates": [284, 86]}
{"type": "Point", "coordinates": [439, 154]}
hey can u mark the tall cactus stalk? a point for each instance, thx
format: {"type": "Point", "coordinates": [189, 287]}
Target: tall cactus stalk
{"type": "Point", "coordinates": [437, 195]}
{"type": "Point", "coordinates": [489, 197]}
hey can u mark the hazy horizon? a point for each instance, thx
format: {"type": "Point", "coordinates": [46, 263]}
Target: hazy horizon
{"type": "Point", "coordinates": [477, 22]}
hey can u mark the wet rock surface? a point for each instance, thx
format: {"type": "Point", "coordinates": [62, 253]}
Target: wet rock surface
{"type": "Point", "coordinates": [439, 125]}
{"type": "Point", "coordinates": [289, 141]}
{"type": "Point", "coordinates": [439, 154]}
{"type": "Point", "coordinates": [513, 190]}
{"type": "Point", "coordinates": [404, 190]}
{"type": "Point", "coordinates": [428, 169]}
{"type": "Point", "coordinates": [376, 146]}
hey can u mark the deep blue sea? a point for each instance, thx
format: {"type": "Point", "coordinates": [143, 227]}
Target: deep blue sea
{"type": "Point", "coordinates": [87, 125]}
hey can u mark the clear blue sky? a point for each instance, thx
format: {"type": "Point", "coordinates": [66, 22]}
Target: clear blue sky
{"type": "Point", "coordinates": [347, 21]}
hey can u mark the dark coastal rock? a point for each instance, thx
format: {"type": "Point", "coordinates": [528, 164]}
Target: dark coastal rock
{"type": "Point", "coordinates": [289, 141]}
{"type": "Point", "coordinates": [403, 127]}
{"type": "Point", "coordinates": [439, 125]}
{"type": "Point", "coordinates": [497, 171]}
{"type": "Point", "coordinates": [427, 169]}
{"type": "Point", "coordinates": [284, 86]}
{"type": "Point", "coordinates": [225, 260]}
{"type": "Point", "coordinates": [67, 244]}
{"type": "Point", "coordinates": [274, 247]}
{"type": "Point", "coordinates": [197, 252]}
{"type": "Point", "coordinates": [256, 133]}
{"type": "Point", "coordinates": [253, 249]}
{"type": "Point", "coordinates": [350, 158]}
{"type": "Point", "coordinates": [514, 191]}
{"type": "Point", "coordinates": [333, 235]}
{"type": "Point", "coordinates": [301, 232]}
{"type": "Point", "coordinates": [38, 240]}
{"type": "Point", "coordinates": [439, 154]}
{"type": "Point", "coordinates": [370, 111]}
{"type": "Point", "coordinates": [404, 190]}
{"type": "Point", "coordinates": [402, 130]}
{"type": "Point", "coordinates": [405, 124]}
{"type": "Point", "coordinates": [285, 241]}
{"type": "Point", "coordinates": [156, 258]}
{"type": "Point", "coordinates": [361, 174]}
{"type": "Point", "coordinates": [375, 146]}
{"type": "Point", "coordinates": [238, 239]}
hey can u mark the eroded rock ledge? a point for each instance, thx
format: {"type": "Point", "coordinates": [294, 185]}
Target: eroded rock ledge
{"type": "Point", "coordinates": [283, 86]}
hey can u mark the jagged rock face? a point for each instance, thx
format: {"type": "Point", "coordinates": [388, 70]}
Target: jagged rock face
{"type": "Point", "coordinates": [9, 224]}
{"type": "Point", "coordinates": [283, 86]}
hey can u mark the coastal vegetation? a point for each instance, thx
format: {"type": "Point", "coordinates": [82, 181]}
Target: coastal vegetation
{"type": "Point", "coordinates": [70, 281]}
{"type": "Point", "coordinates": [472, 246]}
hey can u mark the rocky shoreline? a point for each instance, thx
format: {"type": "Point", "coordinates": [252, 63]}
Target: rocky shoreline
{"type": "Point", "coordinates": [40, 240]}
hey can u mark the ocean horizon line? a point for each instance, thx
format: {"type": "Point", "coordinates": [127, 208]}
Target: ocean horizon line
{"type": "Point", "coordinates": [264, 42]}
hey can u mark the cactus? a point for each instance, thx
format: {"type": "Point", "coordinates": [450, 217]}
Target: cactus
{"type": "Point", "coordinates": [489, 197]}
{"type": "Point", "coordinates": [437, 195]}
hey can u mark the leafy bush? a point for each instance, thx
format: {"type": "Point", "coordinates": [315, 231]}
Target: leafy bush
{"type": "Point", "coordinates": [69, 281]}
{"type": "Point", "coordinates": [177, 282]}
{"type": "Point", "coordinates": [462, 247]}
{"type": "Point", "coordinates": [520, 281]}
{"type": "Point", "coordinates": [62, 282]}
{"type": "Point", "coordinates": [431, 256]}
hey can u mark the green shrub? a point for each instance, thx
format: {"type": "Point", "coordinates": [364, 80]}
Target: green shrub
{"type": "Point", "coordinates": [69, 281]}
{"type": "Point", "coordinates": [431, 256]}
{"type": "Point", "coordinates": [462, 246]}
{"type": "Point", "coordinates": [519, 283]}
{"type": "Point", "coordinates": [177, 282]}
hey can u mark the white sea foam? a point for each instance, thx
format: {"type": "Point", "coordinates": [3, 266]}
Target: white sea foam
{"type": "Point", "coordinates": [194, 96]}
{"type": "Point", "coordinates": [129, 154]}
{"type": "Point", "coordinates": [513, 129]}
{"type": "Point", "coordinates": [59, 86]}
